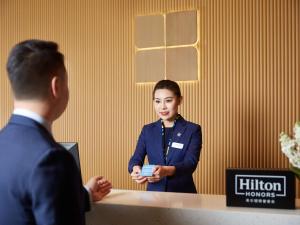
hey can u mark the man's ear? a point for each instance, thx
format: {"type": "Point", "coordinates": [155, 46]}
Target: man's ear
{"type": "Point", "coordinates": [55, 86]}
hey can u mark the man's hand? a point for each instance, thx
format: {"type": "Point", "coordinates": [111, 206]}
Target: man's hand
{"type": "Point", "coordinates": [99, 187]}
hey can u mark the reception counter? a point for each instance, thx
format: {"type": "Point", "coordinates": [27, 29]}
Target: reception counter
{"type": "Point", "coordinates": [125, 207]}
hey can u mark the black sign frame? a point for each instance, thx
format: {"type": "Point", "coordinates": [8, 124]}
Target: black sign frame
{"type": "Point", "coordinates": [260, 188]}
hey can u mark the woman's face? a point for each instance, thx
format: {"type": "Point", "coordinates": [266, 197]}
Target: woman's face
{"type": "Point", "coordinates": [166, 104]}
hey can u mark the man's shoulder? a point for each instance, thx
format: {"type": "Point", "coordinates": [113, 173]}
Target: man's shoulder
{"type": "Point", "coordinates": [28, 142]}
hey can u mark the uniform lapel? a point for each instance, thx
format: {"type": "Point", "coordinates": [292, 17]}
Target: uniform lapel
{"type": "Point", "coordinates": [158, 140]}
{"type": "Point", "coordinates": [177, 137]}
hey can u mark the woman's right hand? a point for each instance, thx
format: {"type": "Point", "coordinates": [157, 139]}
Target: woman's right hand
{"type": "Point", "coordinates": [136, 175]}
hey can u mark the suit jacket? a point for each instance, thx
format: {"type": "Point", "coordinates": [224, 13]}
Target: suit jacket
{"type": "Point", "coordinates": [39, 180]}
{"type": "Point", "coordinates": [184, 156]}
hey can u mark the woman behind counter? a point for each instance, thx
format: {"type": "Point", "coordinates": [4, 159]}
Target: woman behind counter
{"type": "Point", "coordinates": [172, 144]}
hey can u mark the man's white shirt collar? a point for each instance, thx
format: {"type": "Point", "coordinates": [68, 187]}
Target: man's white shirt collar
{"type": "Point", "coordinates": [34, 116]}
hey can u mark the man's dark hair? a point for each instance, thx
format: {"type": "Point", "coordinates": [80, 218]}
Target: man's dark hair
{"type": "Point", "coordinates": [167, 84]}
{"type": "Point", "coordinates": [31, 65]}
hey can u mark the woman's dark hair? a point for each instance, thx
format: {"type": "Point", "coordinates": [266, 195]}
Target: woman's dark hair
{"type": "Point", "coordinates": [167, 84]}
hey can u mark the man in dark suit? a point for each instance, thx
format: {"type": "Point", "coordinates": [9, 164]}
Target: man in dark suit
{"type": "Point", "coordinates": [39, 180]}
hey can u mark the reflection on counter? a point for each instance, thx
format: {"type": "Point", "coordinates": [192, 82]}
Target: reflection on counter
{"type": "Point", "coordinates": [126, 207]}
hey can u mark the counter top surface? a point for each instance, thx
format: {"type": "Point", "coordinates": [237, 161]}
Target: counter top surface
{"type": "Point", "coordinates": [184, 201]}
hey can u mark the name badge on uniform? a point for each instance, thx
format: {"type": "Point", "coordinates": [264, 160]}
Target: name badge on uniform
{"type": "Point", "coordinates": [177, 145]}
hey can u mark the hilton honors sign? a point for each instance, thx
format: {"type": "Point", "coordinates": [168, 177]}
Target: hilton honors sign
{"type": "Point", "coordinates": [260, 188]}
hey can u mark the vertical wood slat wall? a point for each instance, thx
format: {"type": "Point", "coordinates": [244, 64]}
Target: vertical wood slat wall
{"type": "Point", "coordinates": [248, 92]}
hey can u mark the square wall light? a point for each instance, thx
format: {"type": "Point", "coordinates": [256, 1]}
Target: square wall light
{"type": "Point", "coordinates": [149, 31]}
{"type": "Point", "coordinates": [181, 28]}
{"type": "Point", "coordinates": [150, 65]}
{"type": "Point", "coordinates": [166, 47]}
{"type": "Point", "coordinates": [181, 64]}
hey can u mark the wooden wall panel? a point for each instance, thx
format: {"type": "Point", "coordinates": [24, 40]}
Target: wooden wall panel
{"type": "Point", "coordinates": [247, 94]}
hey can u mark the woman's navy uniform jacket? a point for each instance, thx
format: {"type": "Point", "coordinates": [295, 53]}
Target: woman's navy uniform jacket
{"type": "Point", "coordinates": [184, 154]}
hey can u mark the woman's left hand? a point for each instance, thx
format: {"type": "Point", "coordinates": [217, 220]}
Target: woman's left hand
{"type": "Point", "coordinates": [158, 174]}
{"type": "Point", "coordinates": [161, 172]}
